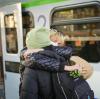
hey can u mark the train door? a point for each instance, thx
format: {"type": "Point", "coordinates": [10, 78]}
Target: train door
{"type": "Point", "coordinates": [12, 43]}
{"type": "Point", "coordinates": [2, 88]}
{"type": "Point", "coordinates": [80, 24]}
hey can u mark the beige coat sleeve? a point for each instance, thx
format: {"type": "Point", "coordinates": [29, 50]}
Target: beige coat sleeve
{"type": "Point", "coordinates": [87, 69]}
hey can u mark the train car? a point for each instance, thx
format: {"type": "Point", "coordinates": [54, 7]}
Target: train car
{"type": "Point", "coordinates": [78, 20]}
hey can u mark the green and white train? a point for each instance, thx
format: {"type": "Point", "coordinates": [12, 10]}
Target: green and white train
{"type": "Point", "coordinates": [78, 20]}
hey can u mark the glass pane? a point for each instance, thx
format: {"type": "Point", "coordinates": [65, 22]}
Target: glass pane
{"type": "Point", "coordinates": [76, 13]}
{"type": "Point", "coordinates": [62, 15]}
{"type": "Point", "coordinates": [85, 38]}
{"type": "Point", "coordinates": [12, 66]}
{"type": "Point", "coordinates": [11, 33]}
{"type": "Point", "coordinates": [9, 21]}
{"type": "Point", "coordinates": [11, 40]}
{"type": "Point", "coordinates": [90, 30]}
{"type": "Point", "coordinates": [28, 23]}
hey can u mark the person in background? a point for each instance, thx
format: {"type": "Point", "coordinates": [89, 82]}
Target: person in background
{"type": "Point", "coordinates": [54, 61]}
{"type": "Point", "coordinates": [88, 54]}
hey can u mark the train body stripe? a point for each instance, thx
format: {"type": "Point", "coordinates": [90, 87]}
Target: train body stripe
{"type": "Point", "coordinates": [39, 2]}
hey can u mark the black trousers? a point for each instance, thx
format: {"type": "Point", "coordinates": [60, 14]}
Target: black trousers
{"type": "Point", "coordinates": [36, 84]}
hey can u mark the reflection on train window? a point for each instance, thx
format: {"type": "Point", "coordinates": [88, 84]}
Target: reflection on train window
{"type": "Point", "coordinates": [75, 13]}
{"type": "Point", "coordinates": [9, 21]}
{"type": "Point", "coordinates": [11, 34]}
{"type": "Point", "coordinates": [28, 23]}
{"type": "Point", "coordinates": [83, 34]}
{"type": "Point", "coordinates": [80, 30]}
{"type": "Point", "coordinates": [12, 66]}
{"type": "Point", "coordinates": [86, 40]}
{"type": "Point", "coordinates": [11, 41]}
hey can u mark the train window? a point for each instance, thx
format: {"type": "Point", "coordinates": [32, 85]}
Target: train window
{"type": "Point", "coordinates": [84, 35]}
{"type": "Point", "coordinates": [11, 34]}
{"type": "Point", "coordinates": [12, 66]}
{"type": "Point", "coordinates": [75, 13]}
{"type": "Point", "coordinates": [28, 23]}
{"type": "Point", "coordinates": [88, 30]}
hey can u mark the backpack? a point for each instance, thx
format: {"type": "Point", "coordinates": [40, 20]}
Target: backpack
{"type": "Point", "coordinates": [82, 90]}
